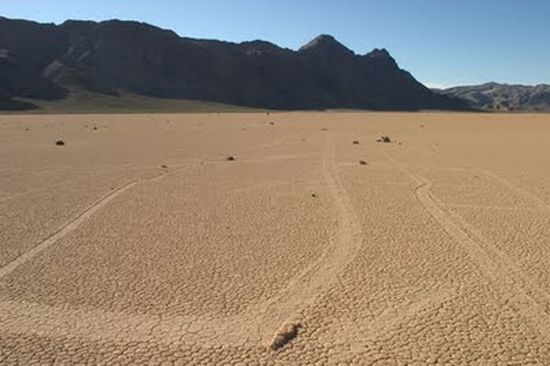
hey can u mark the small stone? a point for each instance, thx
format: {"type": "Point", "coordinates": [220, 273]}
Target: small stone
{"type": "Point", "coordinates": [284, 335]}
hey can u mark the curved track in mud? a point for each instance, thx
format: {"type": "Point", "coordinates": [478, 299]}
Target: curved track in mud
{"type": "Point", "coordinates": [257, 324]}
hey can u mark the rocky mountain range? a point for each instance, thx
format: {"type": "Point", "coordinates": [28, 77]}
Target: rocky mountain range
{"type": "Point", "coordinates": [48, 62]}
{"type": "Point", "coordinates": [503, 97]}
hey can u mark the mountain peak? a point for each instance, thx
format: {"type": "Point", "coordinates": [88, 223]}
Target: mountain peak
{"type": "Point", "coordinates": [379, 53]}
{"type": "Point", "coordinates": [324, 42]}
{"type": "Point", "coordinates": [258, 47]}
{"type": "Point", "coordinates": [381, 56]}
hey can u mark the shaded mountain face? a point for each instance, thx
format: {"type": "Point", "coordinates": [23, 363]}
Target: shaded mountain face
{"type": "Point", "coordinates": [45, 61]}
{"type": "Point", "coordinates": [503, 97]}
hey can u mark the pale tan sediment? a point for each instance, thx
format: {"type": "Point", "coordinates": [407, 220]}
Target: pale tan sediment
{"type": "Point", "coordinates": [140, 243]}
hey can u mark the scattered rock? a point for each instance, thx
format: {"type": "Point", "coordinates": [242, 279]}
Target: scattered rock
{"type": "Point", "coordinates": [60, 143]}
{"type": "Point", "coordinates": [385, 139]}
{"type": "Point", "coordinates": [363, 162]}
{"type": "Point", "coordinates": [284, 335]}
{"type": "Point", "coordinates": [230, 158]}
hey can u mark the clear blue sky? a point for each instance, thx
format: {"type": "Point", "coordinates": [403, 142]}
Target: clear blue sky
{"type": "Point", "coordinates": [441, 42]}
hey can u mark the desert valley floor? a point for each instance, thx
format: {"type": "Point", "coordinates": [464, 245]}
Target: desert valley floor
{"type": "Point", "coordinates": [139, 242]}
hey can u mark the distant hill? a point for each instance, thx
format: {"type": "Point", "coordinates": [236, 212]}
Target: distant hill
{"type": "Point", "coordinates": [47, 62]}
{"type": "Point", "coordinates": [503, 97]}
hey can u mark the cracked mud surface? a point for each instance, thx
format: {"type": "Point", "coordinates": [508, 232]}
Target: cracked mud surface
{"type": "Point", "coordinates": [139, 243]}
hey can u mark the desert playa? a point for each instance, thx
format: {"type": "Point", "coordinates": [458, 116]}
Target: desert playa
{"type": "Point", "coordinates": [288, 238]}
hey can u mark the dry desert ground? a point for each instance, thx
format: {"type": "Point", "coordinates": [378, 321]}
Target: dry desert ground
{"type": "Point", "coordinates": [139, 242]}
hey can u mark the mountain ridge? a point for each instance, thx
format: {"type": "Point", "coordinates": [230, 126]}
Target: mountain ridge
{"type": "Point", "coordinates": [495, 96]}
{"type": "Point", "coordinates": [48, 62]}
